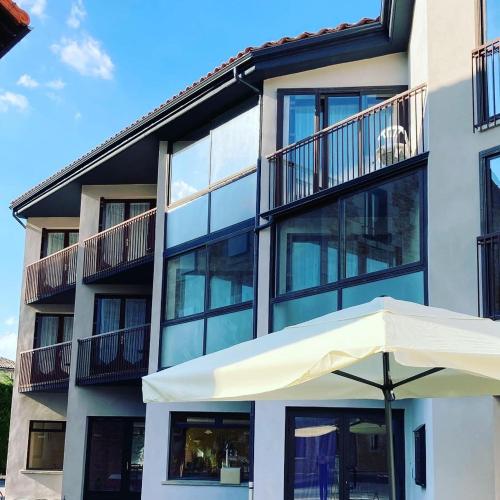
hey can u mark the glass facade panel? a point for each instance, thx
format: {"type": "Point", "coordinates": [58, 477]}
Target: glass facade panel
{"type": "Point", "coordinates": [181, 342]}
{"type": "Point", "coordinates": [235, 145]}
{"type": "Point", "coordinates": [308, 249]}
{"type": "Point", "coordinates": [229, 329]}
{"type": "Point", "coordinates": [233, 203]}
{"type": "Point", "coordinates": [294, 311]}
{"type": "Point", "coordinates": [231, 271]}
{"type": "Point", "coordinates": [186, 284]}
{"type": "Point", "coordinates": [187, 222]}
{"type": "Point", "coordinates": [493, 194]}
{"type": "Point", "coordinates": [492, 18]}
{"type": "Point", "coordinates": [406, 287]}
{"type": "Point", "coordinates": [190, 168]}
{"type": "Point", "coordinates": [198, 448]}
{"type": "Point", "coordinates": [382, 227]}
{"type": "Point", "coordinates": [46, 445]}
{"type": "Point", "coordinates": [299, 114]}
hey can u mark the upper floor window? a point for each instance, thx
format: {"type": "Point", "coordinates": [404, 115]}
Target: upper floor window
{"type": "Point", "coordinates": [208, 299]}
{"type": "Point", "coordinates": [491, 194]}
{"type": "Point", "coordinates": [54, 240]}
{"type": "Point", "coordinates": [305, 112]}
{"type": "Point", "coordinates": [118, 312]}
{"type": "Point", "coordinates": [490, 19]}
{"type": "Point", "coordinates": [114, 212]}
{"type": "Point", "coordinates": [46, 445]}
{"type": "Point", "coordinates": [52, 329]}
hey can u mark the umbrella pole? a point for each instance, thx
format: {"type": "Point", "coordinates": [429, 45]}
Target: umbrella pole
{"type": "Point", "coordinates": [388, 398]}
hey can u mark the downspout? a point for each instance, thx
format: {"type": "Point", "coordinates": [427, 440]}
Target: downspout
{"type": "Point", "coordinates": [18, 219]}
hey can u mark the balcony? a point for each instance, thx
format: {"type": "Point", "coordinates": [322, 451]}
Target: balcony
{"type": "Point", "coordinates": [486, 85]}
{"type": "Point", "coordinates": [45, 368]}
{"type": "Point", "coordinates": [381, 136]}
{"type": "Point", "coordinates": [113, 357]}
{"type": "Point", "coordinates": [52, 275]}
{"type": "Point", "coordinates": [121, 248]}
{"type": "Point", "coordinates": [488, 268]}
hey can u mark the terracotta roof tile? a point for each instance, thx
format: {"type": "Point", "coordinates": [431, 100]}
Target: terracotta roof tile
{"type": "Point", "coordinates": [20, 16]}
{"type": "Point", "coordinates": [7, 364]}
{"type": "Point", "coordinates": [230, 61]}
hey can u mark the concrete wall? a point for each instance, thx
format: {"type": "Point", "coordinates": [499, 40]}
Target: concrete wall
{"type": "Point", "coordinates": [21, 483]}
{"type": "Point", "coordinates": [95, 401]}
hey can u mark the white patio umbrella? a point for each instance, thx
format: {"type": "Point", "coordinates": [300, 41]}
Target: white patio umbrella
{"type": "Point", "coordinates": [384, 349]}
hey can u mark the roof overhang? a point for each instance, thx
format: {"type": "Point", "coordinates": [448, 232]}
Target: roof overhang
{"type": "Point", "coordinates": [213, 95]}
{"type": "Point", "coordinates": [14, 25]}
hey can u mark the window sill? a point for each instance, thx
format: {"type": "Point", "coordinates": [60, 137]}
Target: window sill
{"type": "Point", "coordinates": [194, 482]}
{"type": "Point", "coordinates": [45, 472]}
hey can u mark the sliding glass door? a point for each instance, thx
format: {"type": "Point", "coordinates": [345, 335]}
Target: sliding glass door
{"type": "Point", "coordinates": [338, 454]}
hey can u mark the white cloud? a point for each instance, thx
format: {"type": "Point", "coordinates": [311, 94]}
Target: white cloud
{"type": "Point", "coordinates": [35, 7]}
{"type": "Point", "coordinates": [8, 345]}
{"type": "Point", "coordinates": [76, 15]}
{"type": "Point", "coordinates": [86, 56]}
{"type": "Point", "coordinates": [27, 81]}
{"type": "Point", "coordinates": [56, 84]}
{"type": "Point", "coordinates": [11, 100]}
{"type": "Point", "coordinates": [11, 321]}
{"type": "Point", "coordinates": [78, 116]}
{"type": "Point", "coordinates": [182, 189]}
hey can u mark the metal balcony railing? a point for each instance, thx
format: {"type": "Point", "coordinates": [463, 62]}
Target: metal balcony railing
{"type": "Point", "coordinates": [486, 85]}
{"type": "Point", "coordinates": [120, 247]}
{"type": "Point", "coordinates": [51, 275]}
{"type": "Point", "coordinates": [45, 368]}
{"type": "Point", "coordinates": [114, 356]}
{"type": "Point", "coordinates": [375, 138]}
{"type": "Point", "coordinates": [488, 272]}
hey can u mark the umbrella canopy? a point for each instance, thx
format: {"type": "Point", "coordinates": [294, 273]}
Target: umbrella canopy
{"type": "Point", "coordinates": [304, 361]}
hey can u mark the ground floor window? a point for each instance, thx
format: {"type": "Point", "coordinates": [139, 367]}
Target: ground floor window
{"type": "Point", "coordinates": [46, 445]}
{"type": "Point", "coordinates": [201, 444]}
{"type": "Point", "coordinates": [340, 454]}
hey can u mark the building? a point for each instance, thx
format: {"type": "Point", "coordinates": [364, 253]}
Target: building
{"type": "Point", "coordinates": [14, 25]}
{"type": "Point", "coordinates": [301, 176]}
{"type": "Point", "coordinates": [7, 367]}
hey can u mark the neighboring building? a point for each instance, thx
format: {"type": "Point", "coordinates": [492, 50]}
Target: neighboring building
{"type": "Point", "coordinates": [7, 367]}
{"type": "Point", "coordinates": [226, 214]}
{"type": "Point", "coordinates": [14, 25]}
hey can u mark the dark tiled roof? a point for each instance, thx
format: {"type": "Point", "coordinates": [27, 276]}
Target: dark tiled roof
{"type": "Point", "coordinates": [230, 61]}
{"type": "Point", "coordinates": [7, 364]}
{"type": "Point", "coordinates": [19, 15]}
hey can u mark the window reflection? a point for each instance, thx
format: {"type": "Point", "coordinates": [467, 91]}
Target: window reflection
{"type": "Point", "coordinates": [493, 194]}
{"type": "Point", "coordinates": [187, 222]}
{"type": "Point", "coordinates": [492, 19]}
{"type": "Point", "coordinates": [231, 271]}
{"type": "Point", "coordinates": [181, 342]}
{"type": "Point", "coordinates": [230, 329]}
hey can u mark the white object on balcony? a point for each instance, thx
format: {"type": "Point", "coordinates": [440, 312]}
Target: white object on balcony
{"type": "Point", "coordinates": [392, 145]}
{"type": "Point", "coordinates": [230, 475]}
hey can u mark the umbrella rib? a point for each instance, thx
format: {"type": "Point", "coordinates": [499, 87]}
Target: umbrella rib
{"type": "Point", "coordinates": [358, 379]}
{"type": "Point", "coordinates": [416, 377]}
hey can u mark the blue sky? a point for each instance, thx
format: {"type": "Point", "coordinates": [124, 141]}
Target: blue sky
{"type": "Point", "coordinates": [90, 67]}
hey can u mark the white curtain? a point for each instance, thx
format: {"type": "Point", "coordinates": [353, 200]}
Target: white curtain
{"type": "Point", "coordinates": [135, 315]}
{"type": "Point", "coordinates": [138, 232]}
{"type": "Point", "coordinates": [112, 247]}
{"type": "Point", "coordinates": [48, 327]}
{"type": "Point", "coordinates": [108, 321]}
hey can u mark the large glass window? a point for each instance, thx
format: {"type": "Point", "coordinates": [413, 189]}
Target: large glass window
{"type": "Point", "coordinates": [299, 113]}
{"type": "Point", "coordinates": [114, 312]}
{"type": "Point", "coordinates": [46, 445]}
{"type": "Point", "coordinates": [54, 240]}
{"type": "Point", "coordinates": [114, 212]}
{"type": "Point", "coordinates": [349, 251]}
{"type": "Point", "coordinates": [52, 329]}
{"type": "Point", "coordinates": [203, 443]}
{"type": "Point", "coordinates": [208, 296]}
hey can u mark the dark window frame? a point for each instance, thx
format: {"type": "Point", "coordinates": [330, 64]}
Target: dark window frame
{"type": "Point", "coordinates": [485, 158]}
{"type": "Point", "coordinates": [343, 413]}
{"type": "Point", "coordinates": [31, 423]}
{"type": "Point", "coordinates": [246, 227]}
{"type": "Point", "coordinates": [218, 417]}
{"type": "Point", "coordinates": [127, 202]}
{"type": "Point", "coordinates": [371, 181]}
{"type": "Point", "coordinates": [46, 232]}
{"type": "Point", "coordinates": [60, 329]}
{"type": "Point", "coordinates": [123, 299]}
